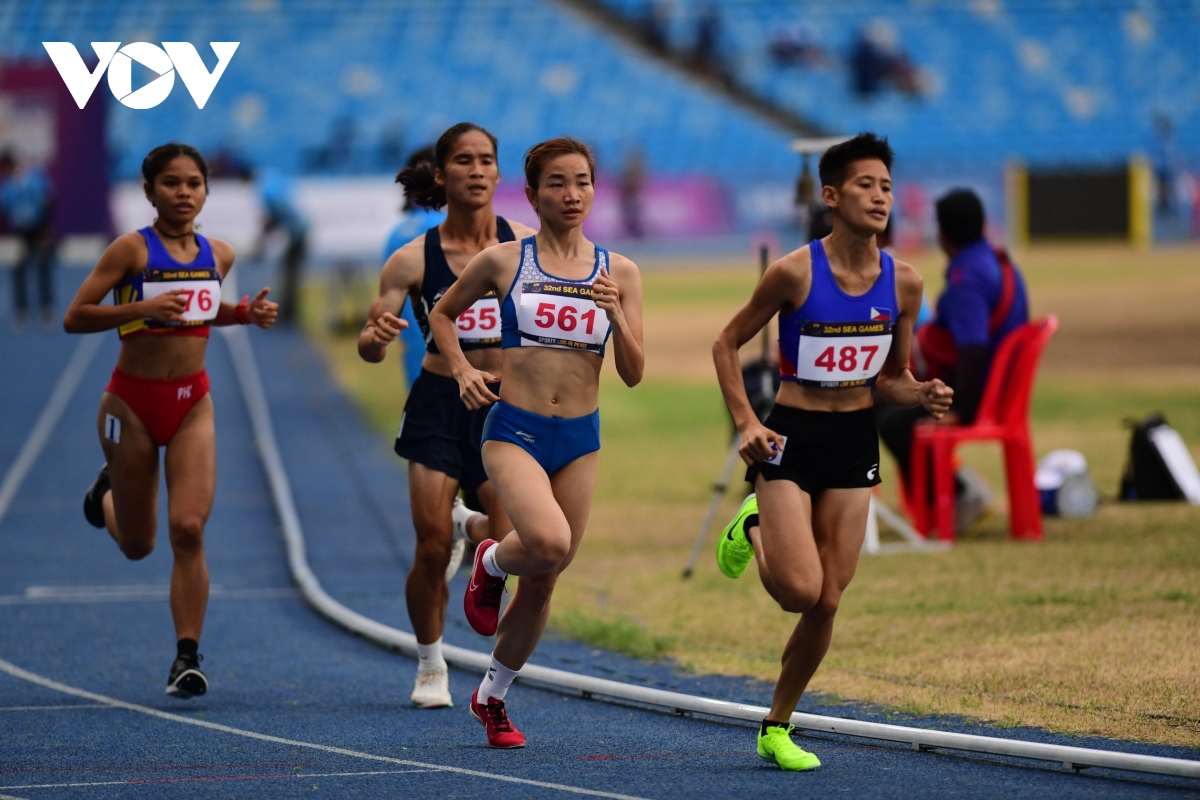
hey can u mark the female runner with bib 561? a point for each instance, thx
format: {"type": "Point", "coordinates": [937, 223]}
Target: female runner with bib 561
{"type": "Point", "coordinates": [561, 299]}
{"type": "Point", "coordinates": [846, 312]}
{"type": "Point", "coordinates": [166, 284]}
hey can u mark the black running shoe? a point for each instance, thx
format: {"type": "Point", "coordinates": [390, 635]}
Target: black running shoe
{"type": "Point", "coordinates": [93, 505]}
{"type": "Point", "coordinates": [186, 679]}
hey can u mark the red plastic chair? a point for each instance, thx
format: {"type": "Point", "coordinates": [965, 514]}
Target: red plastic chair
{"type": "Point", "coordinates": [1003, 417]}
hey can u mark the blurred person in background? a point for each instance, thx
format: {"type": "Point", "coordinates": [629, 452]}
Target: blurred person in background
{"type": "Point", "coordinates": [416, 220]}
{"type": "Point", "coordinates": [877, 59]}
{"type": "Point", "coordinates": [27, 201]}
{"type": "Point", "coordinates": [633, 180]}
{"type": "Point", "coordinates": [984, 300]}
{"type": "Point", "coordinates": [1165, 161]}
{"type": "Point", "coordinates": [277, 192]}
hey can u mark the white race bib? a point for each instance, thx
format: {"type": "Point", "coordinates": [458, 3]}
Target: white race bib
{"type": "Point", "coordinates": [203, 297]}
{"type": "Point", "coordinates": [561, 314]}
{"type": "Point", "coordinates": [843, 354]}
{"type": "Point", "coordinates": [481, 322]}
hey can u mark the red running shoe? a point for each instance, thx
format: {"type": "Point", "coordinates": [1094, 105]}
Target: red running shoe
{"type": "Point", "coordinates": [494, 718]}
{"type": "Point", "coordinates": [482, 600]}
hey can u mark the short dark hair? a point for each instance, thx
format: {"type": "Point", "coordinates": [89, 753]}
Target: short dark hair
{"type": "Point", "coordinates": [419, 179]}
{"type": "Point", "coordinates": [837, 159]}
{"type": "Point", "coordinates": [960, 217]}
{"type": "Point", "coordinates": [158, 158]}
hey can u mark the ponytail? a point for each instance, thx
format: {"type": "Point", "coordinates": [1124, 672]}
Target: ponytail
{"type": "Point", "coordinates": [420, 187]}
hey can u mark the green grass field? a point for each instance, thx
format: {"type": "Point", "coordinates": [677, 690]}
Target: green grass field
{"type": "Point", "coordinates": [1096, 630]}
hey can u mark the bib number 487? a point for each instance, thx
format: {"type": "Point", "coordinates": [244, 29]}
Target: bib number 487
{"type": "Point", "coordinates": [846, 359]}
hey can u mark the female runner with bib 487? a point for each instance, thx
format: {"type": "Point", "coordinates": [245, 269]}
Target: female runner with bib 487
{"type": "Point", "coordinates": [561, 298]}
{"type": "Point", "coordinates": [166, 283]}
{"type": "Point", "coordinates": [846, 312]}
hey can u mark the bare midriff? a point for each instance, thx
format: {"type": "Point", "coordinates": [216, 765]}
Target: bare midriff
{"type": "Point", "coordinates": [814, 398]}
{"type": "Point", "coordinates": [551, 382]}
{"type": "Point", "coordinates": [161, 357]}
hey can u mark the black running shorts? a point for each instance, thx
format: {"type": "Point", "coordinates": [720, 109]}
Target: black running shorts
{"type": "Point", "coordinates": [824, 450]}
{"type": "Point", "coordinates": [441, 433]}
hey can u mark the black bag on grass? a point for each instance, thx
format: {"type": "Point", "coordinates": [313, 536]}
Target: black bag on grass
{"type": "Point", "coordinates": [1147, 476]}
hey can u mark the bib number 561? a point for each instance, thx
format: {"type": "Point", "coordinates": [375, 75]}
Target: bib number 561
{"type": "Point", "coordinates": [846, 359]}
{"type": "Point", "coordinates": [568, 318]}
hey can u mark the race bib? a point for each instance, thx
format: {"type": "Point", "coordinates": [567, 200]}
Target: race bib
{"type": "Point", "coordinates": [202, 296]}
{"type": "Point", "coordinates": [842, 354]}
{"type": "Point", "coordinates": [560, 314]}
{"type": "Point", "coordinates": [480, 324]}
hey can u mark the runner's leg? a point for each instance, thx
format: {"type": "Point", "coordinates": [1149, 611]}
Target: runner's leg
{"type": "Point", "coordinates": [839, 525]}
{"type": "Point", "coordinates": [495, 523]}
{"type": "Point", "coordinates": [191, 469]}
{"type": "Point", "coordinates": [431, 494]}
{"type": "Point", "coordinates": [131, 506]}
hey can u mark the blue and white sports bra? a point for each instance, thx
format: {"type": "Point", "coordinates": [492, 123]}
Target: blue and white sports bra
{"type": "Point", "coordinates": [542, 310]}
{"type": "Point", "coordinates": [838, 340]}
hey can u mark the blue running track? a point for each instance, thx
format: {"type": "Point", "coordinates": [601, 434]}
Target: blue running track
{"type": "Point", "coordinates": [298, 705]}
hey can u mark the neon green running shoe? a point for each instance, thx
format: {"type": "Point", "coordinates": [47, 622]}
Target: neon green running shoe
{"type": "Point", "coordinates": [776, 745]}
{"type": "Point", "coordinates": [734, 550]}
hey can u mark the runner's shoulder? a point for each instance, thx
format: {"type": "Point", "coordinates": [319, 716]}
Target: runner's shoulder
{"type": "Point", "coordinates": [406, 264]}
{"type": "Point", "coordinates": [520, 230]}
{"type": "Point", "coordinates": [907, 277]}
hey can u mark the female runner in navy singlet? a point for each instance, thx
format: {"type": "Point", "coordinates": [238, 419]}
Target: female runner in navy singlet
{"type": "Point", "coordinates": [561, 299]}
{"type": "Point", "coordinates": [846, 312]}
{"type": "Point", "coordinates": [166, 283]}
{"type": "Point", "coordinates": [439, 435]}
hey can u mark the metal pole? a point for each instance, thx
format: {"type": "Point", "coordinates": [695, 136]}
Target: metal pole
{"type": "Point", "coordinates": [714, 505]}
{"type": "Point", "coordinates": [1074, 758]}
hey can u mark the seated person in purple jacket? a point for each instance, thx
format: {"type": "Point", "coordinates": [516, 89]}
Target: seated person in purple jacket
{"type": "Point", "coordinates": [983, 301]}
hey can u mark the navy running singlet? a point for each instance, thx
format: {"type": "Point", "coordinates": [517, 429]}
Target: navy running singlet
{"type": "Point", "coordinates": [479, 325]}
{"type": "Point", "coordinates": [838, 340]}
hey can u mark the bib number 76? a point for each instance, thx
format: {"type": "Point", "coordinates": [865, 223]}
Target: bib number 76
{"type": "Point", "coordinates": [846, 359]}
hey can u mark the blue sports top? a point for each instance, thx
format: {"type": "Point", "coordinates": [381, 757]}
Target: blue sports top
{"type": "Point", "coordinates": [544, 310]}
{"type": "Point", "coordinates": [974, 287]}
{"type": "Point", "coordinates": [199, 281]}
{"type": "Point", "coordinates": [838, 340]}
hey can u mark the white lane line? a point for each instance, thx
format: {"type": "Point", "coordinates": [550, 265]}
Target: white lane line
{"type": "Point", "coordinates": [61, 707]}
{"type": "Point", "coordinates": [38, 436]}
{"type": "Point", "coordinates": [279, 593]}
{"type": "Point", "coordinates": [38, 680]}
{"type": "Point", "coordinates": [216, 779]}
{"type": "Point", "coordinates": [11, 797]}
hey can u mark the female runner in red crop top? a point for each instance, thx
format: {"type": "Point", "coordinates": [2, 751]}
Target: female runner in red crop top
{"type": "Point", "coordinates": [166, 283]}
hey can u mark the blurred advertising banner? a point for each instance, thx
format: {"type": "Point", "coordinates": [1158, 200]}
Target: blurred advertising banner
{"type": "Point", "coordinates": [40, 125]}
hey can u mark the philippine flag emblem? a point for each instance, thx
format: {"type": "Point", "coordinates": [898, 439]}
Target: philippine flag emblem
{"type": "Point", "coordinates": [880, 314]}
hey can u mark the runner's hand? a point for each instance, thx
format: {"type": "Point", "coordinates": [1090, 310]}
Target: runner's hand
{"type": "Point", "coordinates": [472, 387]}
{"type": "Point", "coordinates": [936, 397]}
{"type": "Point", "coordinates": [167, 307]}
{"type": "Point", "coordinates": [759, 443]}
{"type": "Point", "coordinates": [262, 312]}
{"type": "Point", "coordinates": [607, 295]}
{"type": "Point", "coordinates": [385, 329]}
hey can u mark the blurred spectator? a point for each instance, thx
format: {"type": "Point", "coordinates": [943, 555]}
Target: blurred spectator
{"type": "Point", "coordinates": [984, 300]}
{"type": "Point", "coordinates": [705, 56]}
{"type": "Point", "coordinates": [337, 154]}
{"type": "Point", "coordinates": [27, 201]}
{"type": "Point", "coordinates": [276, 190]}
{"type": "Point", "coordinates": [796, 44]}
{"type": "Point", "coordinates": [651, 24]}
{"type": "Point", "coordinates": [1165, 160]}
{"type": "Point", "coordinates": [416, 221]}
{"type": "Point", "coordinates": [633, 177]}
{"type": "Point", "coordinates": [391, 144]}
{"type": "Point", "coordinates": [227, 162]}
{"type": "Point", "coordinates": [876, 60]}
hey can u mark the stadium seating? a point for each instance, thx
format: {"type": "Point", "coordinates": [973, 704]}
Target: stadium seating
{"type": "Point", "coordinates": [1052, 82]}
{"type": "Point", "coordinates": [333, 86]}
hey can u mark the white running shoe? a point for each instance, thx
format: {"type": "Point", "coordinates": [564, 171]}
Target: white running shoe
{"type": "Point", "coordinates": [457, 551]}
{"type": "Point", "coordinates": [432, 690]}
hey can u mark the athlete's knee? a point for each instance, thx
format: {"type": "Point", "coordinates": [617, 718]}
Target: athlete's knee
{"type": "Point", "coordinates": [433, 555]}
{"type": "Point", "coordinates": [548, 552]}
{"type": "Point", "coordinates": [796, 596]}
{"type": "Point", "coordinates": [826, 606]}
{"type": "Point", "coordinates": [187, 532]}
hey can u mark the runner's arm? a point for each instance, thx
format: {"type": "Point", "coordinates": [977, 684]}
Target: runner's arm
{"type": "Point", "coordinates": [619, 294]}
{"type": "Point", "coordinates": [399, 276]}
{"type": "Point", "coordinates": [896, 382]}
{"type": "Point", "coordinates": [778, 283]}
{"type": "Point", "coordinates": [476, 280]}
{"type": "Point", "coordinates": [125, 257]}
